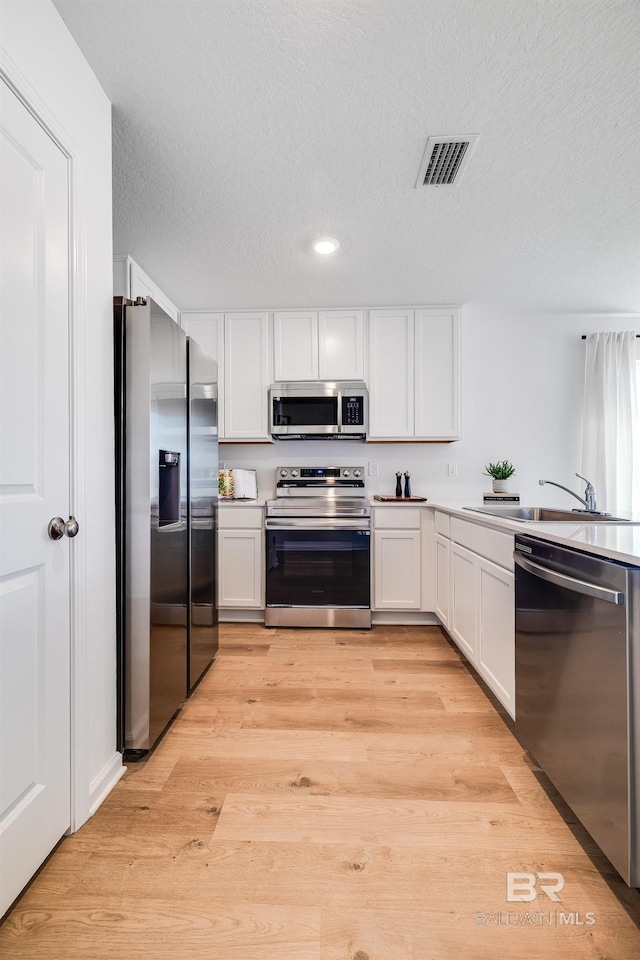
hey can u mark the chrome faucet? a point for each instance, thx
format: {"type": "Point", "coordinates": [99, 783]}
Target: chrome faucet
{"type": "Point", "coordinates": [589, 499]}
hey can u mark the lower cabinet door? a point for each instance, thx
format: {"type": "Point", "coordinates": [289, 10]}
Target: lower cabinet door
{"type": "Point", "coordinates": [240, 568]}
{"type": "Point", "coordinates": [443, 576]}
{"type": "Point", "coordinates": [496, 631]}
{"type": "Point", "coordinates": [397, 570]}
{"type": "Point", "coordinates": [463, 609]}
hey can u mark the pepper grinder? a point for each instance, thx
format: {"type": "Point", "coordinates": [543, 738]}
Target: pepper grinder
{"type": "Point", "coordinates": [407, 485]}
{"type": "Point", "coordinates": [398, 483]}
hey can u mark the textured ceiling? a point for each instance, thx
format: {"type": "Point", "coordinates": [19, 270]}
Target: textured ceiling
{"type": "Point", "coordinates": [245, 128]}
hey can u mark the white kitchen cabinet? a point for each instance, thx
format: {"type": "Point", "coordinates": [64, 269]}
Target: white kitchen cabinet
{"type": "Point", "coordinates": [397, 558]}
{"type": "Point", "coordinates": [496, 631]}
{"type": "Point", "coordinates": [391, 383]}
{"type": "Point", "coordinates": [443, 576]}
{"type": "Point", "coordinates": [475, 599]}
{"type": "Point", "coordinates": [239, 343]}
{"type": "Point", "coordinates": [130, 281]}
{"type": "Point", "coordinates": [340, 345]}
{"type": "Point", "coordinates": [414, 374]}
{"type": "Point", "coordinates": [240, 557]}
{"type": "Point", "coordinates": [463, 600]}
{"type": "Point", "coordinates": [295, 345]}
{"type": "Point", "coordinates": [208, 330]}
{"type": "Point", "coordinates": [318, 345]}
{"type": "Point", "coordinates": [428, 560]}
{"type": "Point", "coordinates": [246, 377]}
{"type": "Point", "coordinates": [437, 374]}
{"type": "Point", "coordinates": [397, 570]}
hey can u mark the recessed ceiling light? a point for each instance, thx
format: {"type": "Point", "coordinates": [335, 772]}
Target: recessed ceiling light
{"type": "Point", "coordinates": [325, 245]}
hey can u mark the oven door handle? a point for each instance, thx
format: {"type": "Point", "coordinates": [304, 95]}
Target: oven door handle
{"type": "Point", "coordinates": [569, 583]}
{"type": "Point", "coordinates": [317, 523]}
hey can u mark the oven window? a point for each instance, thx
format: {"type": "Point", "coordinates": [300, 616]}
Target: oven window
{"type": "Point", "coordinates": [305, 412]}
{"type": "Point", "coordinates": [318, 568]}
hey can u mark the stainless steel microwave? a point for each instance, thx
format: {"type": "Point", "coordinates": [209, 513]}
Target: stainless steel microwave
{"type": "Point", "coordinates": [318, 411]}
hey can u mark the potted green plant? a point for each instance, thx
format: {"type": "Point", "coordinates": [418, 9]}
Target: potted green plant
{"type": "Point", "coordinates": [500, 473]}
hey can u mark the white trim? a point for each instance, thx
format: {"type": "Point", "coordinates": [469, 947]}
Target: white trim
{"type": "Point", "coordinates": [238, 615]}
{"type": "Point", "coordinates": [102, 785]}
{"type": "Point", "coordinates": [122, 277]}
{"type": "Point", "coordinates": [78, 507]}
{"type": "Point", "coordinates": [78, 733]}
{"type": "Point", "coordinates": [395, 618]}
{"type": "Point", "coordinates": [405, 618]}
{"type": "Point", "coordinates": [636, 449]}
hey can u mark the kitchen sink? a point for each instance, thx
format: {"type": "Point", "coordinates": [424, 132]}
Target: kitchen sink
{"type": "Point", "coordinates": [548, 514]}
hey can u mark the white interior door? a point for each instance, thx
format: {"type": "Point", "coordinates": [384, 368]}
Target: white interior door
{"type": "Point", "coordinates": [34, 487]}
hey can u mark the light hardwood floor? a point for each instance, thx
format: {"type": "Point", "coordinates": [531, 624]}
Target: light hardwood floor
{"type": "Point", "coordinates": [327, 795]}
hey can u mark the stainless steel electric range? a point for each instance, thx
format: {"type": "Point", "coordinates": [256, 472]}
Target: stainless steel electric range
{"type": "Point", "coordinates": [318, 556]}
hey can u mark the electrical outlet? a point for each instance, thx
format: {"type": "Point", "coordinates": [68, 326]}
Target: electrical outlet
{"type": "Point", "coordinates": [453, 469]}
{"type": "Point", "coordinates": [373, 469]}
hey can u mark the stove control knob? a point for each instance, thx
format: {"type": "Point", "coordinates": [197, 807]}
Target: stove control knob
{"type": "Point", "coordinates": [294, 473]}
{"type": "Point", "coordinates": [284, 473]}
{"type": "Point", "coordinates": [346, 473]}
{"type": "Point", "coordinates": [357, 473]}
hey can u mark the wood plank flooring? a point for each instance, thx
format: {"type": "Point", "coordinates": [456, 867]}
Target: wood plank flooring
{"type": "Point", "coordinates": [328, 795]}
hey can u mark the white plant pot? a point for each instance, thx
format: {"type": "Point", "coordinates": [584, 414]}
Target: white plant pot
{"type": "Point", "coordinates": [500, 486]}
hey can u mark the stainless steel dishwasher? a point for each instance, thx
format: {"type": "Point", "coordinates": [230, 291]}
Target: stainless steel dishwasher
{"type": "Point", "coordinates": [577, 687]}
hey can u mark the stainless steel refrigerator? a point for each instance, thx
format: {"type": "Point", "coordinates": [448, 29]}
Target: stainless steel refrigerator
{"type": "Point", "coordinates": [166, 499]}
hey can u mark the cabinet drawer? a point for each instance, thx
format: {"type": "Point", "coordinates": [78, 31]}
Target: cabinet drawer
{"type": "Point", "coordinates": [240, 518]}
{"type": "Point", "coordinates": [492, 544]}
{"type": "Point", "coordinates": [396, 518]}
{"type": "Point", "coordinates": [442, 523]}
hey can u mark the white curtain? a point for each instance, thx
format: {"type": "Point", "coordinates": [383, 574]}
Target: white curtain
{"type": "Point", "coordinates": [610, 456]}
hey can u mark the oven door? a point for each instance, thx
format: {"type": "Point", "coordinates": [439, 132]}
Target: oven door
{"type": "Point", "coordinates": [315, 564]}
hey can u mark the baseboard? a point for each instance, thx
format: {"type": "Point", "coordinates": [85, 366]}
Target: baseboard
{"type": "Point", "coordinates": [241, 616]}
{"type": "Point", "coordinates": [102, 785]}
{"type": "Point", "coordinates": [398, 618]}
{"type": "Point", "coordinates": [403, 618]}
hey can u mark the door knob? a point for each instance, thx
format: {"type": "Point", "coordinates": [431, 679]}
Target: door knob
{"type": "Point", "coordinates": [58, 529]}
{"type": "Point", "coordinates": [71, 527]}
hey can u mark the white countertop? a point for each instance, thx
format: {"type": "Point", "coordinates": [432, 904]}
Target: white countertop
{"type": "Point", "coordinates": [617, 541]}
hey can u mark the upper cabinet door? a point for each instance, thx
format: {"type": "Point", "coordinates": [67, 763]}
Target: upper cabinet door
{"type": "Point", "coordinates": [295, 345]}
{"type": "Point", "coordinates": [246, 376]}
{"type": "Point", "coordinates": [340, 345]}
{"type": "Point", "coordinates": [391, 383]}
{"type": "Point", "coordinates": [207, 329]}
{"type": "Point", "coordinates": [437, 373]}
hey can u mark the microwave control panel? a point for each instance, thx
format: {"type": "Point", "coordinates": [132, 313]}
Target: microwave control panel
{"type": "Point", "coordinates": [352, 411]}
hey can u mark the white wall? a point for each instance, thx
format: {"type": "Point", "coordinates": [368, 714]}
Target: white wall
{"type": "Point", "coordinates": [40, 54]}
{"type": "Point", "coordinates": [522, 383]}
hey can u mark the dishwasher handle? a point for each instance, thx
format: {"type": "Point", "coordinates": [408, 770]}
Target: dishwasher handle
{"type": "Point", "coordinates": [569, 583]}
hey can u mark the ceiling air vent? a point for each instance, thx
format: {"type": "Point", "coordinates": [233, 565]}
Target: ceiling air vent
{"type": "Point", "coordinates": [445, 160]}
